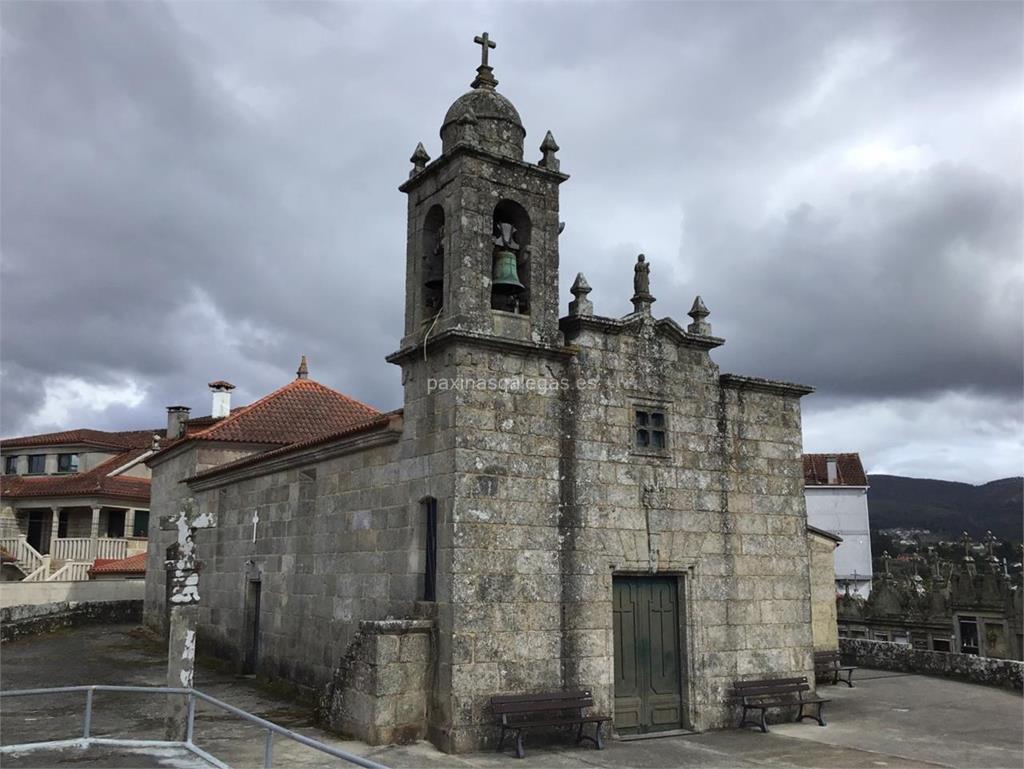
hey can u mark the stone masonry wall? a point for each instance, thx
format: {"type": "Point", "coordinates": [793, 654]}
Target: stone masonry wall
{"type": "Point", "coordinates": [505, 588]}
{"type": "Point", "coordinates": [722, 508]}
{"type": "Point", "coordinates": [380, 694]}
{"type": "Point", "coordinates": [825, 628]}
{"type": "Point", "coordinates": [337, 542]}
{"type": "Point", "coordinates": [25, 620]}
{"type": "Point", "coordinates": [886, 655]}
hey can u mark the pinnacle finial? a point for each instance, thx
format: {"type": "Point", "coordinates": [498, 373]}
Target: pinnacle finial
{"type": "Point", "coordinates": [548, 148]}
{"type": "Point", "coordinates": [484, 76]}
{"type": "Point", "coordinates": [419, 159]}
{"type": "Point", "coordinates": [580, 305]}
{"type": "Point", "coordinates": [699, 312]}
{"type": "Point", "coordinates": [303, 371]}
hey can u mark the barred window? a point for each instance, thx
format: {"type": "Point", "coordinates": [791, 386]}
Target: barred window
{"type": "Point", "coordinates": [651, 430]}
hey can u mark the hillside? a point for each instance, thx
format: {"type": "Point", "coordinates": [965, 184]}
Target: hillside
{"type": "Point", "coordinates": [947, 506]}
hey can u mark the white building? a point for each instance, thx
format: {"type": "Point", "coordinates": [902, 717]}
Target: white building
{"type": "Point", "coordinates": [836, 490]}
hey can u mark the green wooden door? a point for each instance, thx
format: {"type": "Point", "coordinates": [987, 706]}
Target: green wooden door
{"type": "Point", "coordinates": [648, 695]}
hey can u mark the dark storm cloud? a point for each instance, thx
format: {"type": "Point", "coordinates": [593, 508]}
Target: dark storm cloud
{"type": "Point", "coordinates": [203, 191]}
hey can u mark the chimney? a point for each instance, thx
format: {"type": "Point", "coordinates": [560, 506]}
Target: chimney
{"type": "Point", "coordinates": [832, 469]}
{"type": "Point", "coordinates": [177, 416]}
{"type": "Point", "coordinates": [221, 398]}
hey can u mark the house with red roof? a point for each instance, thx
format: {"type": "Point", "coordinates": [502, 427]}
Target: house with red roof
{"type": "Point", "coordinates": [77, 498]}
{"type": "Point", "coordinates": [74, 496]}
{"type": "Point", "coordinates": [836, 491]}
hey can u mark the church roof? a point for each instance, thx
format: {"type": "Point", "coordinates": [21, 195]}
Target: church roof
{"type": "Point", "coordinates": [302, 410]}
{"type": "Point", "coordinates": [483, 104]}
{"type": "Point", "coordinates": [848, 466]}
{"type": "Point", "coordinates": [378, 422]}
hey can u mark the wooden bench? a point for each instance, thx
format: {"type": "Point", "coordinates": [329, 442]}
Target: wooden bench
{"type": "Point", "coordinates": [827, 665]}
{"type": "Point", "coordinates": [518, 712]}
{"type": "Point", "coordinates": [770, 693]}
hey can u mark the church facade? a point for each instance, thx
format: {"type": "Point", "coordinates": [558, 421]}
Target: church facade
{"type": "Point", "coordinates": [562, 502]}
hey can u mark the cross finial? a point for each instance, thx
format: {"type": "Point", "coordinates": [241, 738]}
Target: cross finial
{"type": "Point", "coordinates": [484, 76]}
{"type": "Point", "coordinates": [485, 42]}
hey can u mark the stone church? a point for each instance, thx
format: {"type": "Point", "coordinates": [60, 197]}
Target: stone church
{"type": "Point", "coordinates": [561, 502]}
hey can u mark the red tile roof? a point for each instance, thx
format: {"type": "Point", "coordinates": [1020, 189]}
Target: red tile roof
{"type": "Point", "coordinates": [128, 439]}
{"type": "Point", "coordinates": [373, 423]}
{"type": "Point", "coordinates": [850, 470]}
{"type": "Point", "coordinates": [92, 483]}
{"type": "Point", "coordinates": [133, 564]}
{"type": "Point", "coordinates": [301, 410]}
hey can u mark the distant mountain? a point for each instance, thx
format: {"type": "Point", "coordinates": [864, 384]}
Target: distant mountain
{"type": "Point", "coordinates": [947, 506]}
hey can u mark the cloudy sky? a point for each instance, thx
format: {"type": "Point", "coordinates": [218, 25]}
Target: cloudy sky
{"type": "Point", "coordinates": [197, 191]}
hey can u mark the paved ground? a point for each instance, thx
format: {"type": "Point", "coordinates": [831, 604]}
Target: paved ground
{"type": "Point", "coordinates": [888, 721]}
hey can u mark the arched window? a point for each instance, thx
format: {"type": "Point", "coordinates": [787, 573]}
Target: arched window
{"type": "Point", "coordinates": [510, 262]}
{"type": "Point", "coordinates": [428, 506]}
{"type": "Point", "coordinates": [432, 249]}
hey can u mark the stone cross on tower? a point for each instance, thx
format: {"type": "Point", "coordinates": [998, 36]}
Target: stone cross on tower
{"type": "Point", "coordinates": [182, 607]}
{"type": "Point", "coordinates": [485, 42]}
{"type": "Point", "coordinates": [484, 76]}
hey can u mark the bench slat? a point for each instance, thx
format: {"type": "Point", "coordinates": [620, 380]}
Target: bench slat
{"type": "Point", "coordinates": [769, 682]}
{"type": "Point", "coordinates": [558, 722]}
{"type": "Point", "coordinates": [539, 707]}
{"type": "Point", "coordinates": [538, 696]}
{"type": "Point", "coordinates": [770, 690]}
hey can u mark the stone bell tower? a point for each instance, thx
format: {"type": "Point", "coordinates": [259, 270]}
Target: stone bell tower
{"type": "Point", "coordinates": [480, 348]}
{"type": "Point", "coordinates": [482, 245]}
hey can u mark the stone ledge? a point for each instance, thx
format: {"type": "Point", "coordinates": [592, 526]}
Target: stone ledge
{"type": "Point", "coordinates": [772, 386]}
{"type": "Point", "coordinates": [395, 626]}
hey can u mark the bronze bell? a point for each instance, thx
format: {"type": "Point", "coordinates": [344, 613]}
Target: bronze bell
{"type": "Point", "coordinates": [505, 277]}
{"type": "Point", "coordinates": [435, 274]}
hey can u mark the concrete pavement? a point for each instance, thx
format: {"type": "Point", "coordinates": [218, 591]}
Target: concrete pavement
{"type": "Point", "coordinates": [889, 720]}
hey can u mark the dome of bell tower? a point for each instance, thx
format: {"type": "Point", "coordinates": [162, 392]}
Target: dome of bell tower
{"type": "Point", "coordinates": [482, 116]}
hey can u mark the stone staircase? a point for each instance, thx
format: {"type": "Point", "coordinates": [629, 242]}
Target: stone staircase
{"type": "Point", "coordinates": [42, 568]}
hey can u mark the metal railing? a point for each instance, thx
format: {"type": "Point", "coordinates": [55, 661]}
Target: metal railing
{"type": "Point", "coordinates": [192, 695]}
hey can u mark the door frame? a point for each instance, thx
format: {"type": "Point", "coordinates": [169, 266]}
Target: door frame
{"type": "Point", "coordinates": [683, 579]}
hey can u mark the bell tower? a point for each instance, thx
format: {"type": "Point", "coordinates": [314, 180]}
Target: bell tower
{"type": "Point", "coordinates": [482, 239]}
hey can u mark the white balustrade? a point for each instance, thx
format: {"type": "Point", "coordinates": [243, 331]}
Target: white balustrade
{"type": "Point", "coordinates": [29, 559]}
{"type": "Point", "coordinates": [71, 549]}
{"type": "Point", "coordinates": [112, 548]}
{"type": "Point", "coordinates": [73, 571]}
{"type": "Point", "coordinates": [80, 548]}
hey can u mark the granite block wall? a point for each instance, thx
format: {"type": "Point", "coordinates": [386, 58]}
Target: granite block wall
{"type": "Point", "coordinates": [887, 655]}
{"type": "Point", "coordinates": [381, 692]}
